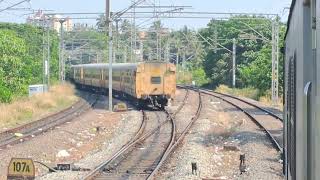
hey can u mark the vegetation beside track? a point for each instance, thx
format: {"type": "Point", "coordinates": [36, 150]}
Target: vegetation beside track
{"type": "Point", "coordinates": [254, 62]}
{"type": "Point", "coordinates": [26, 109]}
{"type": "Point", "coordinates": [251, 93]}
{"type": "Point", "coordinates": [21, 59]}
{"type": "Point", "coordinates": [210, 65]}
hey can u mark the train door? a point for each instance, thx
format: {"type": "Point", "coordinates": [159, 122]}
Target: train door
{"type": "Point", "coordinates": [314, 114]}
{"type": "Point", "coordinates": [81, 75]}
{"type": "Point", "coordinates": [169, 82]}
{"type": "Point", "coordinates": [122, 83]}
{"type": "Point", "coordinates": [155, 73]}
{"type": "Point", "coordinates": [74, 73]}
{"type": "Point", "coordinates": [102, 85]}
{"type": "Point", "coordinates": [291, 118]}
{"type": "Point", "coordinates": [132, 85]}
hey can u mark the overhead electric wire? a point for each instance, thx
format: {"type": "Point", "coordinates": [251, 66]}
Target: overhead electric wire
{"type": "Point", "coordinates": [120, 13]}
{"type": "Point", "coordinates": [1, 10]}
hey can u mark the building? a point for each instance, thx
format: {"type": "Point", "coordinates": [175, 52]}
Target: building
{"type": "Point", "coordinates": [40, 19]}
{"type": "Point", "coordinates": [36, 19]}
{"type": "Point", "coordinates": [56, 23]}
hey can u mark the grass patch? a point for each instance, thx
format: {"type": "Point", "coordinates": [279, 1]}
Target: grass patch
{"type": "Point", "coordinates": [26, 109]}
{"type": "Point", "coordinates": [246, 92]}
{"type": "Point", "coordinates": [250, 93]}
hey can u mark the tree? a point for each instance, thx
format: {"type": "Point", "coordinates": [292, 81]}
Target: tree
{"type": "Point", "coordinates": [253, 54]}
{"type": "Point", "coordinates": [12, 74]}
{"type": "Point", "coordinates": [21, 58]}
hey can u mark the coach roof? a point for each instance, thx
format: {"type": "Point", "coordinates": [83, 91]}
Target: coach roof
{"type": "Point", "coordinates": [115, 66]}
{"type": "Point", "coordinates": [290, 17]}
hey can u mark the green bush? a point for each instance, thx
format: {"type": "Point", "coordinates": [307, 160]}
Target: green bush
{"type": "Point", "coordinates": [199, 76]}
{"type": "Point", "coordinates": [21, 56]}
{"type": "Point", "coordinates": [5, 94]}
{"type": "Point", "coordinates": [251, 93]}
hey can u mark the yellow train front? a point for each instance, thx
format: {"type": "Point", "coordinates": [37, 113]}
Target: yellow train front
{"type": "Point", "coordinates": [149, 82]}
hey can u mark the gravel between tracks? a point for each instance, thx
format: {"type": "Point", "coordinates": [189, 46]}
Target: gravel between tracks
{"type": "Point", "coordinates": [76, 142]}
{"type": "Point", "coordinates": [122, 133]}
{"type": "Point", "coordinates": [221, 125]}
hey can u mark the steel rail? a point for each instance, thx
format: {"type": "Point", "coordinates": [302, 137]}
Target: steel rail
{"type": "Point", "coordinates": [178, 140]}
{"type": "Point", "coordinates": [242, 100]}
{"type": "Point", "coordinates": [124, 148]}
{"type": "Point", "coordinates": [167, 151]}
{"type": "Point", "coordinates": [272, 139]}
{"type": "Point", "coordinates": [42, 125]}
{"type": "Point", "coordinates": [251, 104]}
{"type": "Point", "coordinates": [138, 139]}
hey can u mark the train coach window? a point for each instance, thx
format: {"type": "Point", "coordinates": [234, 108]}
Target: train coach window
{"type": "Point", "coordinates": [156, 80]}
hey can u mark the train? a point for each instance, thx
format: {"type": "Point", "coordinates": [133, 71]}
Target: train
{"type": "Point", "coordinates": [302, 92]}
{"type": "Point", "coordinates": [148, 83]}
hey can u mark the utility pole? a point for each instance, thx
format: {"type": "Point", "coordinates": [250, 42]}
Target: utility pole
{"type": "Point", "coordinates": [177, 63]}
{"type": "Point", "coordinates": [141, 50]}
{"type": "Point", "coordinates": [131, 35]}
{"type": "Point", "coordinates": [157, 32]}
{"type": "Point", "coordinates": [160, 48]}
{"type": "Point", "coordinates": [275, 62]}
{"type": "Point", "coordinates": [125, 55]}
{"type": "Point", "coordinates": [183, 62]}
{"type": "Point", "coordinates": [48, 56]}
{"type": "Point", "coordinates": [215, 37]}
{"type": "Point", "coordinates": [234, 54]}
{"type": "Point", "coordinates": [109, 26]}
{"type": "Point", "coordinates": [116, 49]}
{"type": "Point", "coordinates": [134, 32]}
{"type": "Point", "coordinates": [167, 58]}
{"type": "Point", "coordinates": [43, 52]}
{"type": "Point", "coordinates": [61, 60]}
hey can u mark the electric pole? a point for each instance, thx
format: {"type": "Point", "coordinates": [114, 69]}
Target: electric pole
{"type": "Point", "coordinates": [61, 61]}
{"type": "Point", "coordinates": [125, 55]}
{"type": "Point", "coordinates": [167, 58]}
{"type": "Point", "coordinates": [109, 28]}
{"type": "Point", "coordinates": [234, 53]}
{"type": "Point", "coordinates": [275, 62]}
{"type": "Point", "coordinates": [141, 51]}
{"type": "Point", "coordinates": [43, 53]}
{"type": "Point", "coordinates": [177, 63]}
{"type": "Point", "coordinates": [116, 49]}
{"type": "Point", "coordinates": [48, 56]}
{"type": "Point", "coordinates": [183, 62]}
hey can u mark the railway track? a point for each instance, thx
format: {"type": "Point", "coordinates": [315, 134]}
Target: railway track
{"type": "Point", "coordinates": [142, 157]}
{"type": "Point", "coordinates": [29, 130]}
{"type": "Point", "coordinates": [269, 122]}
{"type": "Point", "coordinates": [138, 156]}
{"type": "Point", "coordinates": [178, 138]}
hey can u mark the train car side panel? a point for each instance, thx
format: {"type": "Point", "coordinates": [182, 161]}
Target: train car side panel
{"type": "Point", "coordinates": [139, 78]}
{"type": "Point", "coordinates": [316, 89]}
{"type": "Point", "coordinates": [314, 105]}
{"type": "Point", "coordinates": [170, 81]}
{"type": "Point", "coordinates": [151, 82]}
{"type": "Point", "coordinates": [299, 68]}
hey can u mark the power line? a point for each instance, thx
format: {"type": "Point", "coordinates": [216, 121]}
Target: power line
{"type": "Point", "coordinates": [14, 5]}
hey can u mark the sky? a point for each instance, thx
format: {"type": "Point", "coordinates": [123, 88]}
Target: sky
{"type": "Point", "coordinates": [239, 6]}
